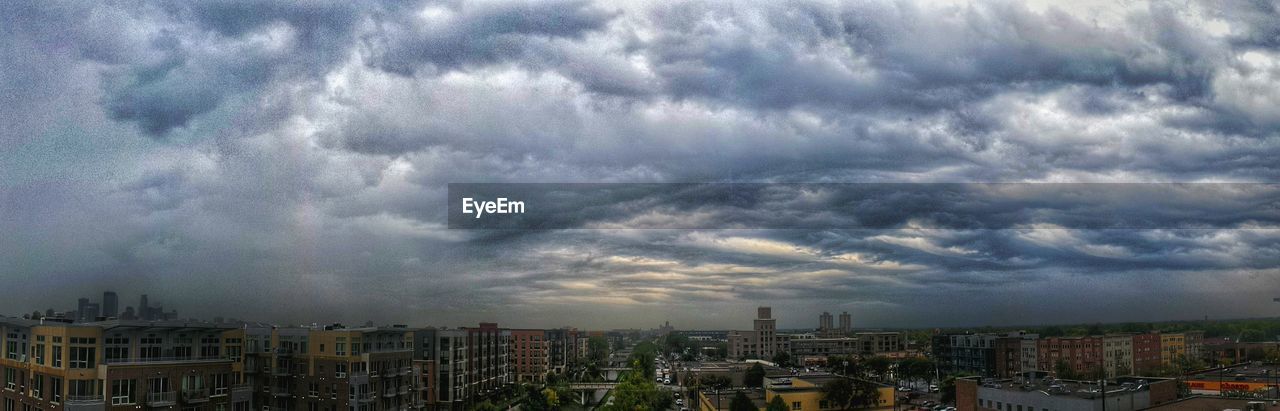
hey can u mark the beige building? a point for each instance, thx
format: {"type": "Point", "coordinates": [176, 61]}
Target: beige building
{"type": "Point", "coordinates": [761, 342]}
{"type": "Point", "coordinates": [1117, 355]}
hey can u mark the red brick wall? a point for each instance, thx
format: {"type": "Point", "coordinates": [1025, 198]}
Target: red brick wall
{"type": "Point", "coordinates": [966, 395]}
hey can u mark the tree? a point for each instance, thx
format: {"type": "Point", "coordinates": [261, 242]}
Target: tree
{"type": "Point", "coordinates": [947, 389]}
{"type": "Point", "coordinates": [1063, 370]}
{"type": "Point", "coordinates": [754, 377]}
{"type": "Point", "coordinates": [878, 367]}
{"type": "Point", "coordinates": [637, 392]}
{"type": "Point", "coordinates": [782, 359]}
{"type": "Point", "coordinates": [740, 402]}
{"type": "Point", "coordinates": [848, 393]}
{"type": "Point", "coordinates": [777, 404]}
{"type": "Point", "coordinates": [484, 406]}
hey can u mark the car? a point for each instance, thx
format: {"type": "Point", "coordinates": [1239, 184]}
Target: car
{"type": "Point", "coordinates": [679, 401]}
{"type": "Point", "coordinates": [949, 409]}
{"type": "Point", "coordinates": [929, 404]}
{"type": "Point", "coordinates": [933, 387]}
{"type": "Point", "coordinates": [677, 395]}
{"type": "Point", "coordinates": [666, 381]}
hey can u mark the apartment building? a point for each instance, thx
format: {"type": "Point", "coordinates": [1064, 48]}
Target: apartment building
{"type": "Point", "coordinates": [1081, 355]}
{"type": "Point", "coordinates": [1173, 348]}
{"type": "Point", "coordinates": [966, 353]}
{"type": "Point", "coordinates": [332, 368]}
{"type": "Point", "coordinates": [1117, 355]}
{"type": "Point", "coordinates": [119, 365]}
{"type": "Point", "coordinates": [530, 355]}
{"type": "Point", "coordinates": [1146, 352]}
{"type": "Point", "coordinates": [466, 364]}
{"type": "Point", "coordinates": [562, 349]}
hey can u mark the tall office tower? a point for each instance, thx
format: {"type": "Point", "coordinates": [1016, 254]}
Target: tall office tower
{"type": "Point", "coordinates": [846, 322]}
{"type": "Point", "coordinates": [144, 309]}
{"type": "Point", "coordinates": [824, 321]}
{"type": "Point", "coordinates": [87, 311]}
{"type": "Point", "coordinates": [110, 304]}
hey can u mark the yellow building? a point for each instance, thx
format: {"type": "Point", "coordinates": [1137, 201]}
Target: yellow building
{"type": "Point", "coordinates": [1173, 348]}
{"type": "Point", "coordinates": [805, 393]}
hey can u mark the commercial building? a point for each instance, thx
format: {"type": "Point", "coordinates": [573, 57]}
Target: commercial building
{"type": "Point", "coordinates": [469, 364]}
{"type": "Point", "coordinates": [1126, 394]}
{"type": "Point", "coordinates": [1239, 378]}
{"type": "Point", "coordinates": [805, 392]}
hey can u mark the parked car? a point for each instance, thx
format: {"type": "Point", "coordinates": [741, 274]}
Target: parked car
{"type": "Point", "coordinates": [933, 387]}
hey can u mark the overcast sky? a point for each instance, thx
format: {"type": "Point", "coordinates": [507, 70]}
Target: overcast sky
{"type": "Point", "coordinates": [288, 163]}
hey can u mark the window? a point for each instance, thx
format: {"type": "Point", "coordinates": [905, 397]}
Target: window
{"type": "Point", "coordinates": [37, 386]}
{"type": "Point", "coordinates": [10, 379]}
{"type": "Point", "coordinates": [219, 384]}
{"type": "Point", "coordinates": [340, 370]}
{"type": "Point", "coordinates": [38, 353]}
{"type": "Point", "coordinates": [83, 357]}
{"type": "Point", "coordinates": [116, 354]}
{"type": "Point", "coordinates": [55, 386]}
{"type": "Point", "coordinates": [795, 405]}
{"type": "Point", "coordinates": [122, 391]}
{"type": "Point", "coordinates": [340, 349]}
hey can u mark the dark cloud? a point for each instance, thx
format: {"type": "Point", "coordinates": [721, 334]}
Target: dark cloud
{"type": "Point", "coordinates": [241, 157]}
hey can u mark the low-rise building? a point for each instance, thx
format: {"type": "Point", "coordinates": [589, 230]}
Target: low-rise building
{"type": "Point", "coordinates": [806, 393]}
{"type": "Point", "coordinates": [1126, 394]}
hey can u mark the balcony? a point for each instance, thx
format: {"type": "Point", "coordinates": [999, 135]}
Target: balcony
{"type": "Point", "coordinates": [238, 388]}
{"type": "Point", "coordinates": [389, 393]}
{"type": "Point", "coordinates": [196, 396]}
{"type": "Point", "coordinates": [84, 403]}
{"type": "Point", "coordinates": [162, 399]}
{"type": "Point", "coordinates": [406, 370]}
{"type": "Point", "coordinates": [404, 389]}
{"type": "Point", "coordinates": [162, 360]}
{"type": "Point", "coordinates": [366, 397]}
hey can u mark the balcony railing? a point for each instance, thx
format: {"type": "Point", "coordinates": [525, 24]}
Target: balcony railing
{"type": "Point", "coordinates": [241, 388]}
{"type": "Point", "coordinates": [84, 400]}
{"type": "Point", "coordinates": [406, 370]}
{"type": "Point", "coordinates": [153, 360]}
{"type": "Point", "coordinates": [389, 393]}
{"type": "Point", "coordinates": [196, 395]}
{"type": "Point", "coordinates": [162, 399]}
{"type": "Point", "coordinates": [404, 389]}
{"type": "Point", "coordinates": [366, 397]}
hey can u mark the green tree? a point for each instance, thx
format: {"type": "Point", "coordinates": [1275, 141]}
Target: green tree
{"type": "Point", "coordinates": [777, 404]}
{"type": "Point", "coordinates": [848, 393]}
{"type": "Point", "coordinates": [754, 377]}
{"type": "Point", "coordinates": [878, 367]}
{"type": "Point", "coordinates": [637, 392]}
{"type": "Point", "coordinates": [740, 402]}
{"type": "Point", "coordinates": [947, 390]}
{"type": "Point", "coordinates": [782, 359]}
{"type": "Point", "coordinates": [484, 406]}
{"type": "Point", "coordinates": [1063, 370]}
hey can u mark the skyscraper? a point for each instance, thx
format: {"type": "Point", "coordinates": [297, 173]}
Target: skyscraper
{"type": "Point", "coordinates": [110, 304]}
{"type": "Point", "coordinates": [846, 322]}
{"type": "Point", "coordinates": [824, 321]}
{"type": "Point", "coordinates": [144, 309]}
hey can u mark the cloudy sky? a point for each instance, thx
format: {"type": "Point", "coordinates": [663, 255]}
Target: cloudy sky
{"type": "Point", "coordinates": [289, 162]}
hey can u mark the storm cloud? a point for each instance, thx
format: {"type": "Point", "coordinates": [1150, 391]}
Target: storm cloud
{"type": "Point", "coordinates": [290, 161]}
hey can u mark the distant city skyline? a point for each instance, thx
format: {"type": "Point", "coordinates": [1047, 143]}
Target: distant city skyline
{"type": "Point", "coordinates": [291, 162]}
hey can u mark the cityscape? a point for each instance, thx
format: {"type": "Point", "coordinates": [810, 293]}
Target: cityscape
{"type": "Point", "coordinates": [640, 205]}
{"type": "Point", "coordinates": [99, 357]}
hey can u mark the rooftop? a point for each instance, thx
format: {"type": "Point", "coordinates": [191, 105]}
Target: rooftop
{"type": "Point", "coordinates": [1054, 386]}
{"type": "Point", "coordinates": [1255, 372]}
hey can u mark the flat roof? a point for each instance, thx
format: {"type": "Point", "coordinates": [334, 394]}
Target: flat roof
{"type": "Point", "coordinates": [1213, 403]}
{"type": "Point", "coordinates": [1268, 373]}
{"type": "Point", "coordinates": [1079, 388]}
